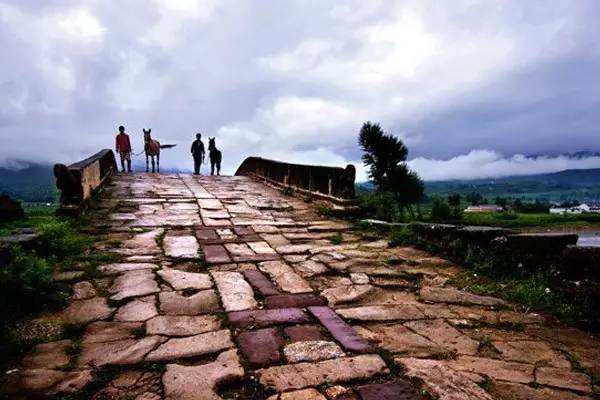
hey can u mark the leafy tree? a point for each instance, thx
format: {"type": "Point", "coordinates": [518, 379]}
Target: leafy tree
{"type": "Point", "coordinates": [440, 210]}
{"type": "Point", "coordinates": [385, 156]}
{"type": "Point", "coordinates": [381, 152]}
{"type": "Point", "coordinates": [474, 198]}
{"type": "Point", "coordinates": [454, 200]}
{"type": "Point", "coordinates": [500, 201]}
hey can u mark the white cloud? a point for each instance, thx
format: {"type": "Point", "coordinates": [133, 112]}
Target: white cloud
{"type": "Point", "coordinates": [491, 164]}
{"type": "Point", "coordinates": [77, 24]}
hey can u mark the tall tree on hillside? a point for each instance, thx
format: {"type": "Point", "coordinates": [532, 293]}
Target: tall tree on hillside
{"type": "Point", "coordinates": [385, 156]}
{"type": "Point", "coordinates": [381, 152]}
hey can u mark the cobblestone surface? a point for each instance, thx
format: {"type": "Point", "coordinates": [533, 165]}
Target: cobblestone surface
{"type": "Point", "coordinates": [237, 292]}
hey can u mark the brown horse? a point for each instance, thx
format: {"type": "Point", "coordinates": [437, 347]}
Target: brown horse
{"type": "Point", "coordinates": [152, 149]}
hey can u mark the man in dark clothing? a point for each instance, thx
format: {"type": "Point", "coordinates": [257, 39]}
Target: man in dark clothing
{"type": "Point", "coordinates": [198, 153]}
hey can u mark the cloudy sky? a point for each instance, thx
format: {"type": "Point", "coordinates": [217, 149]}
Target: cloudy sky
{"type": "Point", "coordinates": [472, 87]}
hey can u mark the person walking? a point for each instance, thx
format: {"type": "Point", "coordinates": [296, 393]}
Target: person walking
{"type": "Point", "coordinates": [198, 153]}
{"type": "Point", "coordinates": [123, 147]}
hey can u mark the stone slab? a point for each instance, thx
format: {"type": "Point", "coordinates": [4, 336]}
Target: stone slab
{"type": "Point", "coordinates": [193, 346]}
{"type": "Point", "coordinates": [445, 335]}
{"type": "Point", "coordinates": [303, 375]}
{"type": "Point", "coordinates": [346, 294]}
{"type": "Point", "coordinates": [139, 309]}
{"type": "Point", "coordinates": [261, 318]}
{"type": "Point", "coordinates": [185, 246]}
{"type": "Point", "coordinates": [398, 390]}
{"type": "Point", "coordinates": [340, 330]}
{"type": "Point", "coordinates": [382, 313]}
{"type": "Point", "coordinates": [133, 284]}
{"type": "Point", "coordinates": [293, 301]}
{"type": "Point", "coordinates": [182, 325]}
{"type": "Point", "coordinates": [181, 280]}
{"type": "Point", "coordinates": [261, 283]}
{"type": "Point", "coordinates": [261, 347]}
{"type": "Point", "coordinates": [51, 355]}
{"type": "Point", "coordinates": [87, 310]}
{"type": "Point", "coordinates": [215, 254]}
{"type": "Point", "coordinates": [121, 352]}
{"type": "Point", "coordinates": [236, 294]}
{"type": "Point", "coordinates": [455, 296]}
{"type": "Point", "coordinates": [563, 379]}
{"type": "Point", "coordinates": [174, 303]}
{"type": "Point", "coordinates": [200, 382]}
{"type": "Point", "coordinates": [285, 277]}
{"type": "Point", "coordinates": [314, 350]}
{"type": "Point", "coordinates": [119, 268]}
{"type": "Point", "coordinates": [501, 370]}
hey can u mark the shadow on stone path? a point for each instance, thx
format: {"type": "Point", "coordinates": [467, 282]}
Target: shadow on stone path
{"type": "Point", "coordinates": [227, 289]}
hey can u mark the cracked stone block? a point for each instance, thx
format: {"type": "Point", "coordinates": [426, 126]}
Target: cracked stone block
{"type": "Point", "coordinates": [261, 347]}
{"type": "Point", "coordinates": [312, 351]}
{"type": "Point", "coordinates": [563, 379]}
{"type": "Point", "coordinates": [285, 277]}
{"type": "Point", "coordinates": [236, 294]}
{"type": "Point", "coordinates": [340, 330]}
{"type": "Point", "coordinates": [455, 296]}
{"type": "Point", "coordinates": [109, 331]}
{"type": "Point", "coordinates": [346, 294]}
{"type": "Point", "coordinates": [181, 280]}
{"type": "Point", "coordinates": [293, 300]}
{"type": "Point", "coordinates": [193, 346]}
{"type": "Point", "coordinates": [261, 283]}
{"type": "Point", "coordinates": [445, 335]}
{"type": "Point", "coordinates": [182, 325]}
{"type": "Point", "coordinates": [515, 391]}
{"type": "Point", "coordinates": [501, 370]}
{"type": "Point", "coordinates": [119, 268]}
{"type": "Point", "coordinates": [181, 246]}
{"type": "Point", "coordinates": [442, 381]}
{"type": "Point", "coordinates": [399, 339]}
{"type": "Point", "coordinates": [51, 381]}
{"type": "Point", "coordinates": [200, 382]}
{"type": "Point", "coordinates": [303, 375]}
{"type": "Point", "coordinates": [137, 310]}
{"type": "Point", "coordinates": [382, 313]}
{"type": "Point", "coordinates": [83, 290]}
{"type": "Point", "coordinates": [261, 318]}
{"type": "Point", "coordinates": [87, 310]}
{"type": "Point", "coordinates": [121, 352]}
{"type": "Point", "coordinates": [51, 355]}
{"type": "Point", "coordinates": [261, 248]}
{"type": "Point", "coordinates": [203, 302]}
{"type": "Point", "coordinates": [532, 352]}
{"type": "Point", "coordinates": [133, 284]}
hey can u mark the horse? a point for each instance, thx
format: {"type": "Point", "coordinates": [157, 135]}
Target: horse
{"type": "Point", "coordinates": [215, 156]}
{"type": "Point", "coordinates": [152, 149]}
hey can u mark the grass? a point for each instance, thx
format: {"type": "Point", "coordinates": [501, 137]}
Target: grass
{"type": "Point", "coordinates": [336, 238]}
{"type": "Point", "coordinates": [35, 216]}
{"type": "Point", "coordinates": [537, 221]}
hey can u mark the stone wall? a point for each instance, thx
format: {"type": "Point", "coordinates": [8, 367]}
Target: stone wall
{"type": "Point", "coordinates": [77, 182]}
{"type": "Point", "coordinates": [328, 183]}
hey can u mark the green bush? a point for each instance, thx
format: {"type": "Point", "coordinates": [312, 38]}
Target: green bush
{"type": "Point", "coordinates": [58, 240]}
{"type": "Point", "coordinates": [440, 210]}
{"type": "Point", "coordinates": [402, 236]}
{"type": "Point", "coordinates": [26, 283]}
{"type": "Point", "coordinates": [380, 205]}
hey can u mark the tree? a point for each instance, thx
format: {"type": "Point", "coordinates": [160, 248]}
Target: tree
{"type": "Point", "coordinates": [454, 200]}
{"type": "Point", "coordinates": [440, 210]}
{"type": "Point", "coordinates": [406, 186]}
{"type": "Point", "coordinates": [385, 156]}
{"type": "Point", "coordinates": [474, 198]}
{"type": "Point", "coordinates": [382, 152]}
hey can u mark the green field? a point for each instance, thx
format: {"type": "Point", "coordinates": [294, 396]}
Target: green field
{"type": "Point", "coordinates": [534, 221]}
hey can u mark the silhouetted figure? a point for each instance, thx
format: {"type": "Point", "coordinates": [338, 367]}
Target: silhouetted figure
{"type": "Point", "coordinates": [123, 148]}
{"type": "Point", "coordinates": [198, 153]}
{"type": "Point", "coordinates": [68, 184]}
{"type": "Point", "coordinates": [215, 157]}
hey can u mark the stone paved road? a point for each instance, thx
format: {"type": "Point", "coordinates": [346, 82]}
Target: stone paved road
{"type": "Point", "coordinates": [227, 289]}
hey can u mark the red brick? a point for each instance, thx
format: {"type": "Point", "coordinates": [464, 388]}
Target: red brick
{"type": "Point", "coordinates": [303, 333]}
{"type": "Point", "coordinates": [399, 390]}
{"type": "Point", "coordinates": [262, 318]}
{"type": "Point", "coordinates": [215, 254]}
{"type": "Point", "coordinates": [261, 283]}
{"type": "Point", "coordinates": [293, 300]}
{"type": "Point", "coordinates": [340, 330]}
{"type": "Point", "coordinates": [261, 347]}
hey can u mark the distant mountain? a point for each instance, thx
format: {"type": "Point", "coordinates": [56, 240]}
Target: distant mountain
{"type": "Point", "coordinates": [567, 177]}
{"type": "Point", "coordinates": [35, 183]}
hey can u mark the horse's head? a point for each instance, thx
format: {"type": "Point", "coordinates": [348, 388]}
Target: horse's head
{"type": "Point", "coordinates": [147, 134]}
{"type": "Point", "coordinates": [211, 143]}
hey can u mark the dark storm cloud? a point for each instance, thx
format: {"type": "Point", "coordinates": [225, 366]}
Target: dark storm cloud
{"type": "Point", "coordinates": [472, 83]}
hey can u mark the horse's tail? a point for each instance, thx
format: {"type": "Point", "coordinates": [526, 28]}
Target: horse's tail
{"type": "Point", "coordinates": [167, 146]}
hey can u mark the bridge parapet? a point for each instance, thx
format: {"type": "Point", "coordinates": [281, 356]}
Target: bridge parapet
{"type": "Point", "coordinates": [332, 184]}
{"type": "Point", "coordinates": [78, 181]}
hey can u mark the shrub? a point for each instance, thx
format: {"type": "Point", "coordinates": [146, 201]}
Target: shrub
{"type": "Point", "coordinates": [402, 236]}
{"type": "Point", "coordinates": [380, 205]}
{"type": "Point", "coordinates": [59, 240]}
{"type": "Point", "coordinates": [440, 210]}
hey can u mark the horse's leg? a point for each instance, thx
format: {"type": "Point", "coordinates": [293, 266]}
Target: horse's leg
{"type": "Point", "coordinates": [212, 166]}
{"type": "Point", "coordinates": [219, 166]}
{"type": "Point", "coordinates": [153, 164]}
{"type": "Point", "coordinates": [147, 170]}
{"type": "Point", "coordinates": [158, 161]}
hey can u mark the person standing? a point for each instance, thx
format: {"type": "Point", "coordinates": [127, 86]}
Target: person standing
{"type": "Point", "coordinates": [198, 153]}
{"type": "Point", "coordinates": [123, 147]}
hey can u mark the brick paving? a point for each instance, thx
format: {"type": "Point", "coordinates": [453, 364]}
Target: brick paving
{"type": "Point", "coordinates": [226, 288]}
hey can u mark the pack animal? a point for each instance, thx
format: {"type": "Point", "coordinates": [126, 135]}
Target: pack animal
{"type": "Point", "coordinates": [215, 157]}
{"type": "Point", "coordinates": [152, 149]}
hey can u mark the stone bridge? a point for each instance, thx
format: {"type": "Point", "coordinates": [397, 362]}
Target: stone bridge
{"type": "Point", "coordinates": [224, 287]}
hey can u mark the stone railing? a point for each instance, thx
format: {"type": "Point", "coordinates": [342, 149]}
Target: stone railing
{"type": "Point", "coordinates": [77, 182]}
{"type": "Point", "coordinates": [328, 183]}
